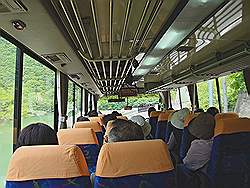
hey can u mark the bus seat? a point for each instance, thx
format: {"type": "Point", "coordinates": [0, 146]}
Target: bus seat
{"type": "Point", "coordinates": [227, 115]}
{"type": "Point", "coordinates": [187, 137]}
{"type": "Point", "coordinates": [85, 139]}
{"type": "Point", "coordinates": [122, 117]}
{"type": "Point", "coordinates": [135, 164]}
{"type": "Point", "coordinates": [97, 119]}
{"type": "Point", "coordinates": [153, 121]}
{"type": "Point", "coordinates": [48, 166]}
{"type": "Point", "coordinates": [97, 128]}
{"type": "Point", "coordinates": [230, 157]}
{"type": "Point", "coordinates": [162, 125]}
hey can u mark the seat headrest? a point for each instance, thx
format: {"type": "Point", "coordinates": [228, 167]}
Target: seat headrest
{"type": "Point", "coordinates": [89, 124]}
{"type": "Point", "coordinates": [164, 116]}
{"type": "Point", "coordinates": [97, 119]}
{"type": "Point", "coordinates": [229, 115]}
{"type": "Point", "coordinates": [155, 113]}
{"type": "Point", "coordinates": [46, 162]}
{"type": "Point", "coordinates": [77, 136]}
{"type": "Point", "coordinates": [122, 117]}
{"type": "Point", "coordinates": [133, 158]}
{"type": "Point", "coordinates": [230, 126]}
{"type": "Point", "coordinates": [189, 118]}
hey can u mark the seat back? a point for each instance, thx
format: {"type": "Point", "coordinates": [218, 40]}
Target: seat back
{"type": "Point", "coordinates": [187, 137]}
{"type": "Point", "coordinates": [162, 125]}
{"type": "Point", "coordinates": [84, 138]}
{"type": "Point", "coordinates": [228, 115]}
{"type": "Point", "coordinates": [97, 128]}
{"type": "Point", "coordinates": [134, 164]}
{"type": "Point", "coordinates": [98, 119]}
{"type": "Point", "coordinates": [153, 119]}
{"type": "Point", "coordinates": [230, 157]}
{"type": "Point", "coordinates": [122, 117]}
{"type": "Point", "coordinates": [48, 166]}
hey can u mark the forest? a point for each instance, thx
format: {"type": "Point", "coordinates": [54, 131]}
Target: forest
{"type": "Point", "coordinates": [38, 88]}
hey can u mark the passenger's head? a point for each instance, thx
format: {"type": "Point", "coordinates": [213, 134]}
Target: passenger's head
{"type": "Point", "coordinates": [178, 117]}
{"type": "Point", "coordinates": [151, 109]}
{"type": "Point", "coordinates": [213, 111]}
{"type": "Point", "coordinates": [37, 134]}
{"type": "Point", "coordinates": [82, 118]}
{"type": "Point", "coordinates": [198, 110]}
{"type": "Point", "coordinates": [93, 113]}
{"type": "Point", "coordinates": [202, 126]}
{"type": "Point", "coordinates": [123, 130]}
{"type": "Point", "coordinates": [115, 113]}
{"type": "Point", "coordinates": [108, 118]}
{"type": "Point", "coordinates": [140, 120]}
{"type": "Point", "coordinates": [170, 108]}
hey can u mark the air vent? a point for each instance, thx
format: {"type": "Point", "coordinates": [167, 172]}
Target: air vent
{"type": "Point", "coordinates": [76, 76]}
{"type": "Point", "coordinates": [57, 58]}
{"type": "Point", "coordinates": [12, 6]}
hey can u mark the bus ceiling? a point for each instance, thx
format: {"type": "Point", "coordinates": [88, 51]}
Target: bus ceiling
{"type": "Point", "coordinates": [108, 35]}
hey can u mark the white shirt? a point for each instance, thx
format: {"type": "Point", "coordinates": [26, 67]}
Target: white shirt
{"type": "Point", "coordinates": [198, 154]}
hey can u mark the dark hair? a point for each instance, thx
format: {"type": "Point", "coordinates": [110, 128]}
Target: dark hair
{"type": "Point", "coordinates": [170, 108]}
{"type": "Point", "coordinates": [82, 118]}
{"type": "Point", "coordinates": [108, 118]}
{"type": "Point", "coordinates": [125, 130]}
{"type": "Point", "coordinates": [198, 110]}
{"type": "Point", "coordinates": [116, 113]}
{"type": "Point", "coordinates": [37, 134]}
{"type": "Point", "coordinates": [151, 109]}
{"type": "Point", "coordinates": [93, 113]}
{"type": "Point", "coordinates": [213, 111]}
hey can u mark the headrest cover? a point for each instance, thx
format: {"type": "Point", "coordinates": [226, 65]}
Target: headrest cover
{"type": "Point", "coordinates": [122, 117]}
{"type": "Point", "coordinates": [89, 124]}
{"type": "Point", "coordinates": [229, 115]}
{"type": "Point", "coordinates": [189, 118]}
{"type": "Point", "coordinates": [132, 158]}
{"type": "Point", "coordinates": [97, 119]}
{"type": "Point", "coordinates": [46, 162]}
{"type": "Point", "coordinates": [77, 136]}
{"type": "Point", "coordinates": [155, 114]}
{"type": "Point", "coordinates": [230, 126]}
{"type": "Point", "coordinates": [163, 116]}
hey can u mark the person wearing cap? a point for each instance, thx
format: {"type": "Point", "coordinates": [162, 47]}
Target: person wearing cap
{"type": "Point", "coordinates": [146, 127]}
{"type": "Point", "coordinates": [175, 129]}
{"type": "Point", "coordinates": [194, 167]}
{"type": "Point", "coordinates": [198, 155]}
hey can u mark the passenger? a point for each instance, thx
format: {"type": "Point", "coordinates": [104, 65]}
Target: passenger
{"type": "Point", "coordinates": [115, 113]}
{"type": "Point", "coordinates": [151, 109]}
{"type": "Point", "coordinates": [108, 118]}
{"type": "Point", "coordinates": [198, 110]}
{"type": "Point", "coordinates": [202, 127]}
{"type": "Point", "coordinates": [213, 111]}
{"type": "Point", "coordinates": [196, 161]}
{"type": "Point", "coordinates": [124, 130]}
{"type": "Point", "coordinates": [170, 108]}
{"type": "Point", "coordinates": [175, 129]}
{"type": "Point", "coordinates": [93, 113]}
{"type": "Point", "coordinates": [146, 127]}
{"type": "Point", "coordinates": [37, 134]}
{"type": "Point", "coordinates": [82, 118]}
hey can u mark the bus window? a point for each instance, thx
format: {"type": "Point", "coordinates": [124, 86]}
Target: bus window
{"type": "Point", "coordinates": [77, 102]}
{"type": "Point", "coordinates": [7, 84]}
{"type": "Point", "coordinates": [70, 109]}
{"type": "Point", "coordinates": [175, 100]}
{"type": "Point", "coordinates": [38, 93]}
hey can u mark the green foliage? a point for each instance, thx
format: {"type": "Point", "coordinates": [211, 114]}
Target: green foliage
{"type": "Point", "coordinates": [38, 84]}
{"type": "Point", "coordinates": [103, 103]}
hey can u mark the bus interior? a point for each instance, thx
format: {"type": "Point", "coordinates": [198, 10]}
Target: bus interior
{"type": "Point", "coordinates": [60, 59]}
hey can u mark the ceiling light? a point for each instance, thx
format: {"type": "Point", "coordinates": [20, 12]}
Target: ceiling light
{"type": "Point", "coordinates": [18, 25]}
{"type": "Point", "coordinates": [139, 56]}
